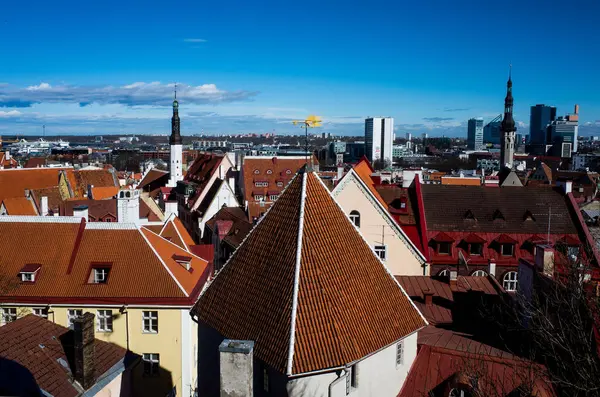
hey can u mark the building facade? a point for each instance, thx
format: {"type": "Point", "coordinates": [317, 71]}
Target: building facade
{"type": "Point", "coordinates": [475, 134]}
{"type": "Point", "coordinates": [493, 131]}
{"type": "Point", "coordinates": [541, 117]}
{"type": "Point", "coordinates": [379, 138]}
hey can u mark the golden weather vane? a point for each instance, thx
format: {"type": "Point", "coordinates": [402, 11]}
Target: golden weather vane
{"type": "Point", "coordinates": [311, 121]}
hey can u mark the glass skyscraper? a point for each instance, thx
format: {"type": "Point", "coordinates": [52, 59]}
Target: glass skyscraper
{"type": "Point", "coordinates": [475, 134]}
{"type": "Point", "coordinates": [541, 117]}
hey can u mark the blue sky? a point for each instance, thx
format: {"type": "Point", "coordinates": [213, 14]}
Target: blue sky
{"type": "Point", "coordinates": [79, 67]}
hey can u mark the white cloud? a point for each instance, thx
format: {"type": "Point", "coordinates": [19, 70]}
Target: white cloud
{"type": "Point", "coordinates": [10, 113]}
{"type": "Point", "coordinates": [194, 40]}
{"type": "Point", "coordinates": [135, 94]}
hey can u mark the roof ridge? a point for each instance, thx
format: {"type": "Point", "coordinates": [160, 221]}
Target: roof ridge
{"type": "Point", "coordinates": [163, 262]}
{"type": "Point", "coordinates": [373, 251]}
{"type": "Point", "coordinates": [173, 244]}
{"type": "Point", "coordinates": [297, 275]}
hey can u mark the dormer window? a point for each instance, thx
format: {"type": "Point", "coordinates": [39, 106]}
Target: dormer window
{"type": "Point", "coordinates": [279, 184]}
{"type": "Point", "coordinates": [507, 249]}
{"type": "Point", "coordinates": [444, 248]}
{"type": "Point", "coordinates": [28, 273]}
{"type": "Point", "coordinates": [475, 248]}
{"type": "Point", "coordinates": [269, 172]}
{"type": "Point", "coordinates": [288, 171]}
{"type": "Point", "coordinates": [498, 215]}
{"type": "Point", "coordinates": [469, 215]}
{"type": "Point", "coordinates": [185, 261]}
{"type": "Point", "coordinates": [256, 172]}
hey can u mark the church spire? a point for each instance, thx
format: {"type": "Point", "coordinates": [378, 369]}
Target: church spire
{"type": "Point", "coordinates": [508, 123]}
{"type": "Point", "coordinates": [175, 138]}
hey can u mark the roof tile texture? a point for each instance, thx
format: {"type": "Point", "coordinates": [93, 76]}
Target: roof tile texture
{"type": "Point", "coordinates": [19, 206]}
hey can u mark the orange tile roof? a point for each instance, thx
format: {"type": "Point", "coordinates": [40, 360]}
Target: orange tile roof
{"type": "Point", "coordinates": [104, 192]}
{"type": "Point", "coordinates": [8, 163]}
{"type": "Point", "coordinates": [81, 179]}
{"type": "Point", "coordinates": [363, 170]}
{"type": "Point", "coordinates": [348, 304]}
{"type": "Point", "coordinates": [174, 231]}
{"type": "Point", "coordinates": [67, 251]}
{"type": "Point", "coordinates": [453, 180]}
{"type": "Point", "coordinates": [19, 206]}
{"type": "Point", "coordinates": [13, 183]}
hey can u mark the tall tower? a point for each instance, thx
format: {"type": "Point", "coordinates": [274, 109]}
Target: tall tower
{"type": "Point", "coordinates": [176, 157]}
{"type": "Point", "coordinates": [507, 150]}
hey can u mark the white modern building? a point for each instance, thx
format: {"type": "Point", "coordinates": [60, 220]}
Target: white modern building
{"type": "Point", "coordinates": [379, 138]}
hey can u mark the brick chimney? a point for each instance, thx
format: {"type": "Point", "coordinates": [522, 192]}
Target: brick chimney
{"type": "Point", "coordinates": [492, 268]}
{"type": "Point", "coordinates": [428, 297]}
{"type": "Point", "coordinates": [83, 349]}
{"type": "Point", "coordinates": [236, 359]}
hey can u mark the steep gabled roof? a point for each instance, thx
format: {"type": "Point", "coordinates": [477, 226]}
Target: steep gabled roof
{"type": "Point", "coordinates": [307, 288]}
{"type": "Point", "coordinates": [240, 226]}
{"type": "Point", "coordinates": [364, 170]}
{"type": "Point", "coordinates": [174, 231]}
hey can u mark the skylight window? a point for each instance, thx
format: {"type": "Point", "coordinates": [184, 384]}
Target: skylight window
{"type": "Point", "coordinates": [99, 273]}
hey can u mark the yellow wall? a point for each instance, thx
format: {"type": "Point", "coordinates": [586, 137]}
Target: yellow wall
{"type": "Point", "coordinates": [167, 343]}
{"type": "Point", "coordinates": [376, 230]}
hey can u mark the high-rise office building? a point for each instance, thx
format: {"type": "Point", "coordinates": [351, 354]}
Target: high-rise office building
{"type": "Point", "coordinates": [492, 131]}
{"type": "Point", "coordinates": [379, 138]}
{"type": "Point", "coordinates": [408, 136]}
{"type": "Point", "coordinates": [475, 134]}
{"type": "Point", "coordinates": [563, 133]}
{"type": "Point", "coordinates": [541, 117]}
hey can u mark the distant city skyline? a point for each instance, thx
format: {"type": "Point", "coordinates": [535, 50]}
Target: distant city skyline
{"type": "Point", "coordinates": [80, 69]}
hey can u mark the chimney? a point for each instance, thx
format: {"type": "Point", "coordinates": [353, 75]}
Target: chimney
{"type": "Point", "coordinates": [453, 277]}
{"type": "Point", "coordinates": [544, 259]}
{"type": "Point", "coordinates": [237, 372]}
{"type": "Point", "coordinates": [492, 268]}
{"type": "Point", "coordinates": [7, 155]}
{"type": "Point", "coordinates": [340, 171]}
{"type": "Point", "coordinates": [567, 186]}
{"type": "Point", "coordinates": [232, 184]}
{"type": "Point", "coordinates": [576, 109]}
{"type": "Point", "coordinates": [428, 297]}
{"type": "Point", "coordinates": [83, 349]}
{"type": "Point", "coordinates": [81, 211]}
{"type": "Point", "coordinates": [44, 206]}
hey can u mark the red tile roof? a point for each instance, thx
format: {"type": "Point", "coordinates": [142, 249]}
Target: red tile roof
{"type": "Point", "coordinates": [35, 162]}
{"type": "Point", "coordinates": [174, 231]}
{"type": "Point", "coordinates": [37, 345]}
{"type": "Point", "coordinates": [364, 171]}
{"type": "Point", "coordinates": [66, 251]}
{"type": "Point", "coordinates": [19, 206]}
{"type": "Point", "coordinates": [329, 281]}
{"type": "Point", "coordinates": [240, 226]}
{"type": "Point", "coordinates": [104, 192]}
{"type": "Point", "coordinates": [446, 357]}
{"type": "Point", "coordinates": [271, 170]}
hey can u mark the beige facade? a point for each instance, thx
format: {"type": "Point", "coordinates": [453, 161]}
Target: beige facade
{"type": "Point", "coordinates": [175, 342]}
{"type": "Point", "coordinates": [379, 228]}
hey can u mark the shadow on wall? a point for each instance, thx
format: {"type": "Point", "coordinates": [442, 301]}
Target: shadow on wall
{"type": "Point", "coordinates": [16, 380]}
{"type": "Point", "coordinates": [144, 384]}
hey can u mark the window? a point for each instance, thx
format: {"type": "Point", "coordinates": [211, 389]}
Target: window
{"type": "Point", "coordinates": [261, 184]}
{"type": "Point", "coordinates": [101, 275]}
{"type": "Point", "coordinates": [265, 380]}
{"type": "Point", "coordinates": [399, 353]}
{"type": "Point", "coordinates": [351, 379]}
{"type": "Point", "coordinates": [269, 172]}
{"type": "Point", "coordinates": [475, 249]}
{"type": "Point", "coordinates": [150, 322]}
{"type": "Point", "coordinates": [9, 314]}
{"type": "Point", "coordinates": [444, 273]}
{"type": "Point", "coordinates": [273, 197]}
{"type": "Point", "coordinates": [459, 392]}
{"type": "Point", "coordinates": [72, 314]}
{"type": "Point", "coordinates": [41, 312]}
{"type": "Point", "coordinates": [573, 251]}
{"type": "Point", "coordinates": [380, 250]}
{"type": "Point", "coordinates": [479, 273]}
{"type": "Point", "coordinates": [151, 364]}
{"type": "Point", "coordinates": [279, 184]}
{"type": "Point", "coordinates": [444, 248]}
{"type": "Point", "coordinates": [507, 249]}
{"type": "Point", "coordinates": [259, 197]}
{"type": "Point", "coordinates": [104, 320]}
{"type": "Point", "coordinates": [288, 171]}
{"type": "Point", "coordinates": [509, 281]}
{"type": "Point", "coordinates": [28, 277]}
{"type": "Point", "coordinates": [402, 203]}
{"type": "Point", "coordinates": [355, 218]}
{"type": "Point", "coordinates": [256, 172]}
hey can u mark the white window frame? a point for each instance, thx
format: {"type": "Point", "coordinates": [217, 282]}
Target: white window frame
{"type": "Point", "coordinates": [28, 277]}
{"type": "Point", "coordinates": [40, 312]}
{"type": "Point", "coordinates": [153, 362]}
{"type": "Point", "coordinates": [381, 251]}
{"type": "Point", "coordinates": [279, 184]}
{"type": "Point", "coordinates": [104, 321]}
{"type": "Point", "coordinates": [399, 353]}
{"type": "Point", "coordinates": [510, 281]}
{"type": "Point", "coordinates": [101, 275]}
{"type": "Point", "coordinates": [355, 218]}
{"type": "Point", "coordinates": [479, 273]}
{"type": "Point", "coordinates": [72, 314]}
{"type": "Point", "coordinates": [152, 317]}
{"type": "Point", "coordinates": [259, 197]}
{"type": "Point", "coordinates": [273, 197]}
{"type": "Point", "coordinates": [444, 273]}
{"type": "Point", "coordinates": [351, 379]}
{"type": "Point", "coordinates": [9, 314]}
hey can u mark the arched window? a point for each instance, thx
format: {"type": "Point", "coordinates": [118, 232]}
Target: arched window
{"type": "Point", "coordinates": [509, 282]}
{"type": "Point", "coordinates": [479, 273]}
{"type": "Point", "coordinates": [444, 273]}
{"type": "Point", "coordinates": [459, 392]}
{"type": "Point", "coordinates": [355, 218]}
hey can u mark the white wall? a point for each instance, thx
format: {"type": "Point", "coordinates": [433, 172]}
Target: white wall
{"type": "Point", "coordinates": [113, 389]}
{"type": "Point", "coordinates": [377, 375]}
{"type": "Point", "coordinates": [224, 197]}
{"type": "Point", "coordinates": [378, 229]}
